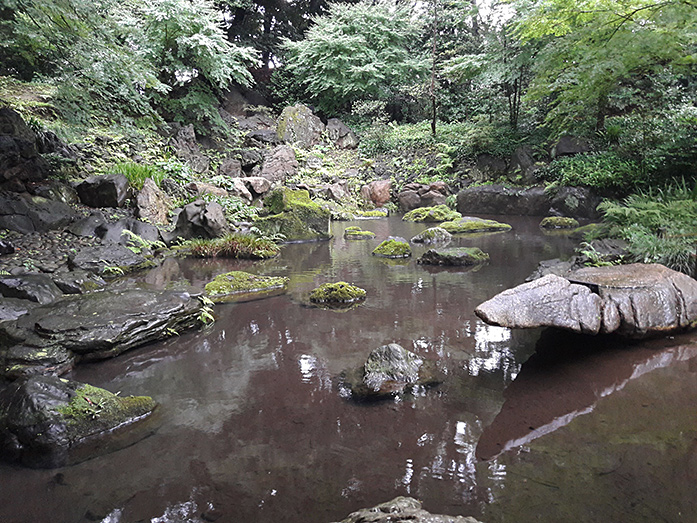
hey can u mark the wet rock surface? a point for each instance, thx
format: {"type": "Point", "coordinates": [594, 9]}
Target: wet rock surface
{"type": "Point", "coordinates": [634, 300]}
{"type": "Point", "coordinates": [433, 235]}
{"type": "Point", "coordinates": [49, 422]}
{"type": "Point", "coordinates": [38, 288]}
{"type": "Point", "coordinates": [389, 370]}
{"type": "Point", "coordinates": [402, 509]}
{"type": "Point", "coordinates": [26, 213]}
{"type": "Point", "coordinates": [108, 260]}
{"type": "Point", "coordinates": [456, 256]}
{"type": "Point", "coordinates": [93, 326]}
{"type": "Point", "coordinates": [111, 190]}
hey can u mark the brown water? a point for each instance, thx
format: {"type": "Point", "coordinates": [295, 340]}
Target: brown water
{"type": "Point", "coordinates": [528, 426]}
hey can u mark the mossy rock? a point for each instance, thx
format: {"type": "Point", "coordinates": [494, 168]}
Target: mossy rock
{"type": "Point", "coordinates": [294, 215]}
{"type": "Point", "coordinates": [243, 286]}
{"type": "Point", "coordinates": [356, 233]}
{"type": "Point", "coordinates": [456, 256]}
{"type": "Point", "coordinates": [393, 248]}
{"type": "Point", "coordinates": [469, 224]}
{"type": "Point", "coordinates": [591, 231]}
{"type": "Point", "coordinates": [49, 422]}
{"type": "Point", "coordinates": [339, 293]}
{"type": "Point", "coordinates": [375, 213]}
{"type": "Point", "coordinates": [433, 235]}
{"type": "Point", "coordinates": [558, 222]}
{"type": "Point", "coordinates": [439, 213]}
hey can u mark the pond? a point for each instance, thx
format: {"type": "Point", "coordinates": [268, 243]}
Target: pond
{"type": "Point", "coordinates": [528, 425]}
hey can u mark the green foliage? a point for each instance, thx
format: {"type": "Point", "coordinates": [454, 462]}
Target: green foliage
{"type": "Point", "coordinates": [659, 226]}
{"type": "Point", "coordinates": [361, 51]}
{"type": "Point", "coordinates": [138, 244]}
{"type": "Point", "coordinates": [137, 173]}
{"type": "Point", "coordinates": [234, 208]}
{"type": "Point", "coordinates": [603, 170]}
{"type": "Point", "coordinates": [240, 246]}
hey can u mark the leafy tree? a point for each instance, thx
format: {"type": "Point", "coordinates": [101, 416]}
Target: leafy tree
{"type": "Point", "coordinates": [364, 51]}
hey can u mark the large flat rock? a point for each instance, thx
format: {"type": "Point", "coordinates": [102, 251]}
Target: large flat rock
{"type": "Point", "coordinates": [636, 301]}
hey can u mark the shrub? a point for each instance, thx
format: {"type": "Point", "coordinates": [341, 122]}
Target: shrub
{"type": "Point", "coordinates": [603, 171]}
{"type": "Point", "coordinates": [137, 173]}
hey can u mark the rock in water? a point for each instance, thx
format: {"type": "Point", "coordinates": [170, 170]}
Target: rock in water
{"type": "Point", "coordinates": [402, 509]}
{"type": "Point", "coordinates": [456, 256]}
{"type": "Point", "coordinates": [50, 422]}
{"type": "Point", "coordinates": [634, 300]}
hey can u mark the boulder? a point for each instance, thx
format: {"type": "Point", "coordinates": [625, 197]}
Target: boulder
{"type": "Point", "coordinates": [337, 293]}
{"type": "Point", "coordinates": [356, 233]}
{"type": "Point", "coordinates": [242, 286]}
{"type": "Point", "coordinates": [200, 188]}
{"type": "Point", "coordinates": [558, 222]}
{"type": "Point", "coordinates": [293, 214]}
{"type": "Point", "coordinates": [110, 190]}
{"type": "Point", "coordinates": [634, 301]}
{"type": "Point", "coordinates": [51, 422]}
{"type": "Point", "coordinates": [38, 288]}
{"type": "Point", "coordinates": [13, 308]}
{"type": "Point", "coordinates": [55, 190]}
{"type": "Point", "coordinates": [279, 164]}
{"type": "Point", "coordinates": [115, 232]}
{"type": "Point", "coordinates": [393, 248]}
{"type": "Point", "coordinates": [576, 202]}
{"type": "Point", "coordinates": [298, 125]}
{"type": "Point", "coordinates": [94, 326]}
{"type": "Point", "coordinates": [433, 235]}
{"type": "Point", "coordinates": [377, 192]}
{"type": "Point", "coordinates": [498, 199]}
{"type": "Point", "coordinates": [257, 185]}
{"type": "Point", "coordinates": [389, 370]}
{"type": "Point", "coordinates": [569, 145]}
{"type": "Point", "coordinates": [338, 191]}
{"type": "Point", "coordinates": [470, 224]}
{"type": "Point", "coordinates": [26, 213]}
{"type": "Point", "coordinates": [78, 282]}
{"type": "Point", "coordinates": [187, 149]}
{"type": "Point", "coordinates": [108, 260]}
{"type": "Point", "coordinates": [153, 204]}
{"type": "Point", "coordinates": [402, 509]}
{"type": "Point", "coordinates": [250, 158]}
{"type": "Point", "coordinates": [200, 219]}
{"type": "Point", "coordinates": [522, 166]}
{"type": "Point", "coordinates": [439, 213]}
{"type": "Point", "coordinates": [230, 167]}
{"type": "Point", "coordinates": [20, 161]}
{"type": "Point", "coordinates": [416, 195]}
{"type": "Point", "coordinates": [262, 138]}
{"type": "Point", "coordinates": [241, 191]}
{"type": "Point", "coordinates": [456, 256]}
{"type": "Point", "coordinates": [341, 135]}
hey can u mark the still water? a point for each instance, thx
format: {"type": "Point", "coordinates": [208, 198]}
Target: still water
{"type": "Point", "coordinates": [528, 426]}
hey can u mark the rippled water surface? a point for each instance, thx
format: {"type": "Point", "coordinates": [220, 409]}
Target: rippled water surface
{"type": "Point", "coordinates": [528, 426]}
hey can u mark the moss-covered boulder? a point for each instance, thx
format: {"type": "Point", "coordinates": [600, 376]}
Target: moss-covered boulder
{"type": "Point", "coordinates": [294, 215]}
{"type": "Point", "coordinates": [243, 286]}
{"type": "Point", "coordinates": [46, 421]}
{"type": "Point", "coordinates": [433, 235]}
{"type": "Point", "coordinates": [456, 256]}
{"type": "Point", "coordinates": [337, 293]}
{"type": "Point", "coordinates": [372, 214]}
{"type": "Point", "coordinates": [439, 213]}
{"type": "Point", "coordinates": [558, 222]}
{"type": "Point", "coordinates": [356, 233]}
{"type": "Point", "coordinates": [469, 224]}
{"type": "Point", "coordinates": [388, 371]}
{"type": "Point", "coordinates": [393, 248]}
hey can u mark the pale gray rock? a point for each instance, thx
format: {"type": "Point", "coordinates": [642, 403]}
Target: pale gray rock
{"type": "Point", "coordinates": [279, 164]}
{"type": "Point", "coordinates": [401, 510]}
{"type": "Point", "coordinates": [153, 204]}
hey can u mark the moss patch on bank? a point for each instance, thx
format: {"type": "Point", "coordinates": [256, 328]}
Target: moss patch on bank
{"type": "Point", "coordinates": [239, 285]}
{"type": "Point", "coordinates": [438, 213]}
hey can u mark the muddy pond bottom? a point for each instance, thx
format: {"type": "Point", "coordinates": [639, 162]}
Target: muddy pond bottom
{"type": "Point", "coordinates": [528, 425]}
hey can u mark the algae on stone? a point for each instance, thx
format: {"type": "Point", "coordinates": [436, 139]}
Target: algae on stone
{"type": "Point", "coordinates": [238, 285]}
{"type": "Point", "coordinates": [433, 235]}
{"type": "Point", "coordinates": [356, 233]}
{"type": "Point", "coordinates": [339, 292]}
{"type": "Point", "coordinates": [438, 213]}
{"type": "Point", "coordinates": [469, 224]}
{"type": "Point", "coordinates": [294, 215]}
{"type": "Point", "coordinates": [393, 248]}
{"type": "Point", "coordinates": [454, 256]}
{"type": "Point", "coordinates": [558, 222]}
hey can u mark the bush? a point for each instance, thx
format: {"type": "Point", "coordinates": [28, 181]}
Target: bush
{"type": "Point", "coordinates": [137, 173]}
{"type": "Point", "coordinates": [603, 170]}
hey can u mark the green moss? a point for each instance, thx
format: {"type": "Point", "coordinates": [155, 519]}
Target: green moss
{"type": "Point", "coordinates": [469, 225]}
{"type": "Point", "coordinates": [241, 246]}
{"type": "Point", "coordinates": [92, 410]}
{"type": "Point", "coordinates": [339, 292]}
{"type": "Point", "coordinates": [295, 216]}
{"type": "Point", "coordinates": [226, 286]}
{"type": "Point", "coordinates": [558, 222]}
{"type": "Point", "coordinates": [356, 233]}
{"type": "Point", "coordinates": [393, 248]}
{"type": "Point", "coordinates": [439, 213]}
{"type": "Point", "coordinates": [458, 256]}
{"type": "Point", "coordinates": [432, 235]}
{"type": "Point", "coordinates": [378, 213]}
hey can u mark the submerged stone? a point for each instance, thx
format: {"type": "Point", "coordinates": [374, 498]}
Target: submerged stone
{"type": "Point", "coordinates": [456, 256]}
{"type": "Point", "coordinates": [337, 293]}
{"type": "Point", "coordinates": [433, 235]}
{"type": "Point", "coordinates": [243, 286]}
{"type": "Point", "coordinates": [47, 422]}
{"type": "Point", "coordinates": [393, 248]}
{"type": "Point", "coordinates": [438, 213]}
{"type": "Point", "coordinates": [388, 371]}
{"type": "Point", "coordinates": [558, 222]}
{"type": "Point", "coordinates": [402, 509]}
{"type": "Point", "coordinates": [469, 224]}
{"type": "Point", "coordinates": [356, 233]}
